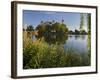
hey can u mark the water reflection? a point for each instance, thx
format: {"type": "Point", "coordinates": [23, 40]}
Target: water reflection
{"type": "Point", "coordinates": [79, 43]}
{"type": "Point", "coordinates": [77, 36]}
{"type": "Point", "coordinates": [55, 38]}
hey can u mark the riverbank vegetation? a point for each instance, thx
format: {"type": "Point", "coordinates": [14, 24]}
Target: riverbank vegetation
{"type": "Point", "coordinates": [40, 54]}
{"type": "Point", "coordinates": [48, 51]}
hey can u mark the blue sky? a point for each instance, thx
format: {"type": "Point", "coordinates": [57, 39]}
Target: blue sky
{"type": "Point", "coordinates": [71, 19]}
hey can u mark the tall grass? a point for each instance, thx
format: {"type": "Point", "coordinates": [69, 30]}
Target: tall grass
{"type": "Point", "coordinates": [39, 54]}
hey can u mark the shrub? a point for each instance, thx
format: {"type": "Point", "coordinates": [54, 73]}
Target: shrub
{"type": "Point", "coordinates": [39, 54]}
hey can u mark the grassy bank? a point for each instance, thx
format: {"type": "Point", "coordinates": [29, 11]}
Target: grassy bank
{"type": "Point", "coordinates": [39, 54]}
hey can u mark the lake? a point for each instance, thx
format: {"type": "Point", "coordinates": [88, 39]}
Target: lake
{"type": "Point", "coordinates": [78, 43]}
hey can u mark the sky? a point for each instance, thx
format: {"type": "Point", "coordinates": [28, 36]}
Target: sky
{"type": "Point", "coordinates": [71, 19]}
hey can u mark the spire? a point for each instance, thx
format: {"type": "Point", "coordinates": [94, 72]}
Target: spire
{"type": "Point", "coordinates": [41, 22]}
{"type": "Point", "coordinates": [53, 21]}
{"type": "Point", "coordinates": [62, 20]}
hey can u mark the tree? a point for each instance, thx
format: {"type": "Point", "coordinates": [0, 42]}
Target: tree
{"type": "Point", "coordinates": [83, 32]}
{"type": "Point", "coordinates": [56, 26]}
{"type": "Point", "coordinates": [81, 22]}
{"type": "Point", "coordinates": [70, 32]}
{"type": "Point", "coordinates": [41, 29]}
{"type": "Point", "coordinates": [30, 28]}
{"type": "Point", "coordinates": [60, 27]}
{"type": "Point", "coordinates": [77, 32]}
{"type": "Point", "coordinates": [64, 28]}
{"type": "Point", "coordinates": [51, 30]}
{"type": "Point", "coordinates": [23, 29]}
{"type": "Point", "coordinates": [89, 23]}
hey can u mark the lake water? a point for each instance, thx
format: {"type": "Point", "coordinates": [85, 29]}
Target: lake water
{"type": "Point", "coordinates": [78, 43]}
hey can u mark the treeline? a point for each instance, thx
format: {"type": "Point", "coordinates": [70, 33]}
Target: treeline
{"type": "Point", "coordinates": [60, 27]}
{"type": "Point", "coordinates": [77, 32]}
{"type": "Point", "coordinates": [49, 27]}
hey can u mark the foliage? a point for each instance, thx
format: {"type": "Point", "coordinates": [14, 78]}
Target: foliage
{"type": "Point", "coordinates": [42, 55]}
{"type": "Point", "coordinates": [83, 32]}
{"type": "Point", "coordinates": [47, 51]}
{"type": "Point", "coordinates": [77, 32]}
{"type": "Point", "coordinates": [52, 31]}
{"type": "Point", "coordinates": [70, 32]}
{"type": "Point", "coordinates": [81, 22]}
{"type": "Point", "coordinates": [30, 28]}
{"type": "Point", "coordinates": [89, 23]}
{"type": "Point", "coordinates": [47, 28]}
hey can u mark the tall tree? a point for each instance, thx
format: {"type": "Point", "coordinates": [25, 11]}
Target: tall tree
{"type": "Point", "coordinates": [89, 23]}
{"type": "Point", "coordinates": [81, 22]}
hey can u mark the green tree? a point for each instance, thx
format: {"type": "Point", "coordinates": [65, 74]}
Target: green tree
{"type": "Point", "coordinates": [77, 32]}
{"type": "Point", "coordinates": [81, 22]}
{"type": "Point", "coordinates": [30, 28]}
{"type": "Point", "coordinates": [89, 23]}
{"type": "Point", "coordinates": [60, 27]}
{"type": "Point", "coordinates": [56, 26]}
{"type": "Point", "coordinates": [41, 29]}
{"type": "Point", "coordinates": [89, 35]}
{"type": "Point", "coordinates": [64, 28]}
{"type": "Point", "coordinates": [51, 31]}
{"type": "Point", "coordinates": [48, 27]}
